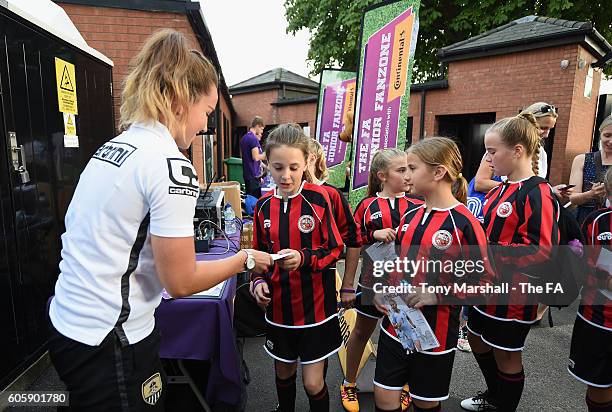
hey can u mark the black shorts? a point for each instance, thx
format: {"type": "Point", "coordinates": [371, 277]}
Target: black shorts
{"type": "Point", "coordinates": [427, 374]}
{"type": "Point", "coordinates": [508, 335]}
{"type": "Point", "coordinates": [110, 377]}
{"type": "Point", "coordinates": [306, 344]}
{"type": "Point", "coordinates": [364, 305]}
{"type": "Point", "coordinates": [591, 354]}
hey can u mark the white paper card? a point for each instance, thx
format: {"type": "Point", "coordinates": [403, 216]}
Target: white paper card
{"type": "Point", "coordinates": [382, 252]}
{"type": "Point", "coordinates": [277, 256]}
{"type": "Point", "coordinates": [604, 261]}
{"type": "Point", "coordinates": [71, 141]}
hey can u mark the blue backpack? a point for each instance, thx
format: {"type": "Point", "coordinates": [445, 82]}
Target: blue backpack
{"type": "Point", "coordinates": [475, 199]}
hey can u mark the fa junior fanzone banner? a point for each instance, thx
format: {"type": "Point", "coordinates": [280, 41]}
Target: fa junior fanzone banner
{"type": "Point", "coordinates": [388, 41]}
{"type": "Point", "coordinates": [336, 103]}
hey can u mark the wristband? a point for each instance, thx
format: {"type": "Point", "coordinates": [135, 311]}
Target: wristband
{"type": "Point", "coordinates": [257, 282]}
{"type": "Point", "coordinates": [347, 290]}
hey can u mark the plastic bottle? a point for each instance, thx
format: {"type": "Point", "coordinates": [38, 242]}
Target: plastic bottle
{"type": "Point", "coordinates": [230, 220]}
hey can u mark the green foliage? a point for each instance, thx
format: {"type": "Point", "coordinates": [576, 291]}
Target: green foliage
{"type": "Point", "coordinates": [334, 25]}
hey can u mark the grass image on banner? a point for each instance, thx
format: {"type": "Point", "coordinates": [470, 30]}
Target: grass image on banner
{"type": "Point", "coordinates": [388, 41]}
{"type": "Point", "coordinates": [336, 102]}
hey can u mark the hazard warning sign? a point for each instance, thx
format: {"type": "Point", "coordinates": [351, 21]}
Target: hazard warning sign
{"type": "Point", "coordinates": [69, 124]}
{"type": "Point", "coordinates": [66, 87]}
{"type": "Point", "coordinates": [70, 137]}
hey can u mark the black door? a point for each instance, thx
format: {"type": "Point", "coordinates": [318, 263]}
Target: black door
{"type": "Point", "coordinates": [468, 131]}
{"type": "Point", "coordinates": [34, 202]}
{"type": "Point", "coordinates": [10, 349]}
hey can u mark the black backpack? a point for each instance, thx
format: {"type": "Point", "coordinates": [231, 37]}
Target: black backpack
{"type": "Point", "coordinates": [565, 267]}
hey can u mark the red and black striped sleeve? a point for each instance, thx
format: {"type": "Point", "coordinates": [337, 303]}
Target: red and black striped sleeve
{"type": "Point", "coordinates": [475, 249]}
{"type": "Point", "coordinates": [596, 223]}
{"type": "Point", "coordinates": [538, 232]}
{"type": "Point", "coordinates": [259, 237]}
{"type": "Point", "coordinates": [360, 212]}
{"type": "Point", "coordinates": [343, 215]}
{"type": "Point", "coordinates": [322, 256]}
{"type": "Point", "coordinates": [365, 233]}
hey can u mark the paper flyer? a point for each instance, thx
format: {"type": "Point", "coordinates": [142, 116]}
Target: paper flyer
{"type": "Point", "coordinates": [411, 327]}
{"type": "Point", "coordinates": [382, 252]}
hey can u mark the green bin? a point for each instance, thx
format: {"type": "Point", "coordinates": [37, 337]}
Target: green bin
{"type": "Point", "coordinates": [234, 169]}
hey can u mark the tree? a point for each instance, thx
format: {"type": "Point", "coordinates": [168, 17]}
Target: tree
{"type": "Point", "coordinates": [334, 25]}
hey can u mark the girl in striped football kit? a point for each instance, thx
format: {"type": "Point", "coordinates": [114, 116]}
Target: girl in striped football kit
{"type": "Point", "coordinates": [520, 219]}
{"type": "Point", "coordinates": [378, 216]}
{"type": "Point", "coordinates": [343, 216]}
{"type": "Point", "coordinates": [300, 294]}
{"type": "Point", "coordinates": [441, 230]}
{"type": "Point", "coordinates": [591, 350]}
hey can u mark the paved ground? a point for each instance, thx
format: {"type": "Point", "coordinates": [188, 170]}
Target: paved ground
{"type": "Point", "coordinates": [548, 388]}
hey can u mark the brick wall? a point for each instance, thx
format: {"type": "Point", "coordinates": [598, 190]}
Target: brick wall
{"type": "Point", "coordinates": [249, 105]}
{"type": "Point", "coordinates": [120, 33]}
{"type": "Point", "coordinates": [504, 84]}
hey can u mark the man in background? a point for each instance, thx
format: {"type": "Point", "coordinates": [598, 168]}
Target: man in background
{"type": "Point", "coordinates": [252, 155]}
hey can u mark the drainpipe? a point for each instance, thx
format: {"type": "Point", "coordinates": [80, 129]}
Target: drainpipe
{"type": "Point", "coordinates": [422, 120]}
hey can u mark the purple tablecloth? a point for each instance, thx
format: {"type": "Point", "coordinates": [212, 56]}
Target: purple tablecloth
{"type": "Point", "coordinates": [202, 329]}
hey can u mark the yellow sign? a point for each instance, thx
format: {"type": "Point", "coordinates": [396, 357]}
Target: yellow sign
{"type": "Point", "coordinates": [66, 86]}
{"type": "Point", "coordinates": [349, 101]}
{"type": "Point", "coordinates": [69, 124]}
{"type": "Point", "coordinates": [401, 54]}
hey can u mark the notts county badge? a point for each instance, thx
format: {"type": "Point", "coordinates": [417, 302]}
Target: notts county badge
{"type": "Point", "coordinates": [306, 223]}
{"type": "Point", "coordinates": [442, 239]}
{"type": "Point", "coordinates": [152, 389]}
{"type": "Point", "coordinates": [504, 209]}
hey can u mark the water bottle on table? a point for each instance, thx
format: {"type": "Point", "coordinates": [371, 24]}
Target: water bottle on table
{"type": "Point", "coordinates": [230, 220]}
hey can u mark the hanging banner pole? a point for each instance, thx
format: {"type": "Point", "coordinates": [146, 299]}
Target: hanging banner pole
{"type": "Point", "coordinates": [334, 111]}
{"type": "Point", "coordinates": [389, 34]}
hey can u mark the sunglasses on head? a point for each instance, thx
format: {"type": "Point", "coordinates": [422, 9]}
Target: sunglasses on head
{"type": "Point", "coordinates": [547, 108]}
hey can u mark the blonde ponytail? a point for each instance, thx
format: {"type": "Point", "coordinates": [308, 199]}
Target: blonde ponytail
{"type": "Point", "coordinates": [460, 189]}
{"type": "Point", "coordinates": [521, 129]}
{"type": "Point", "coordinates": [320, 165]}
{"type": "Point", "coordinates": [166, 77]}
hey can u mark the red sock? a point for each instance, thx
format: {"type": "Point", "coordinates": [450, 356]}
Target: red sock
{"type": "Point", "coordinates": [320, 401]}
{"type": "Point", "coordinates": [511, 389]}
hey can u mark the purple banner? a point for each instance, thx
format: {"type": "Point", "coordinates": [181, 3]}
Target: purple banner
{"type": "Point", "coordinates": [338, 101]}
{"type": "Point", "coordinates": [382, 88]}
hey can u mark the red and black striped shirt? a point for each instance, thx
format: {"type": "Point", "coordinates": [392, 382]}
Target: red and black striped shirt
{"type": "Point", "coordinates": [595, 307]}
{"type": "Point", "coordinates": [442, 235]}
{"type": "Point", "coordinates": [343, 215]}
{"type": "Point", "coordinates": [306, 296]}
{"type": "Point", "coordinates": [375, 213]}
{"type": "Point", "coordinates": [519, 242]}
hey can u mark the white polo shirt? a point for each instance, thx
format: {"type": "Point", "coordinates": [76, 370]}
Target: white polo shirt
{"type": "Point", "coordinates": [135, 185]}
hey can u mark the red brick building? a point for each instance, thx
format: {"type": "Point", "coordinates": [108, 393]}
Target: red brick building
{"type": "Point", "coordinates": [279, 96]}
{"type": "Point", "coordinates": [118, 29]}
{"type": "Point", "coordinates": [497, 73]}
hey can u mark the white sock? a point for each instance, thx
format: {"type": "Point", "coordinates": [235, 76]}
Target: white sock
{"type": "Point", "coordinates": [345, 382]}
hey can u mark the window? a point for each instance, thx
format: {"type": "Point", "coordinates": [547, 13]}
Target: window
{"type": "Point", "coordinates": [208, 151]}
